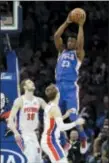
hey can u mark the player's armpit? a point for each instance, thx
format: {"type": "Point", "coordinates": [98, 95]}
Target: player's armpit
{"type": "Point", "coordinates": [80, 54]}
{"type": "Point", "coordinates": [55, 112]}
{"type": "Point", "coordinates": [67, 114]}
{"type": "Point", "coordinates": [43, 104]}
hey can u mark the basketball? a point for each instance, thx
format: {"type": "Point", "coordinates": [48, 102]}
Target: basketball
{"type": "Point", "coordinates": [77, 15]}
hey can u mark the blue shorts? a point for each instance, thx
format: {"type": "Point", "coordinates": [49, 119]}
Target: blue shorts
{"type": "Point", "coordinates": [69, 97]}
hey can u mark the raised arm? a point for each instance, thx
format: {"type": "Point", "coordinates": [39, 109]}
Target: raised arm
{"type": "Point", "coordinates": [80, 41]}
{"type": "Point", "coordinates": [67, 114]}
{"type": "Point", "coordinates": [56, 114]}
{"type": "Point", "coordinates": [57, 36]}
{"type": "Point", "coordinates": [15, 108]}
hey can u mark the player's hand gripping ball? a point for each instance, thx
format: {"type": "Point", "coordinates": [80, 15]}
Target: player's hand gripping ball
{"type": "Point", "coordinates": [78, 16]}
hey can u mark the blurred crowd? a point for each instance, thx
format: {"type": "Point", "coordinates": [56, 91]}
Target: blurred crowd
{"type": "Point", "coordinates": [37, 57]}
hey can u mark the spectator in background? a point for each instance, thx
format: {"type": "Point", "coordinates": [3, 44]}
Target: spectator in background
{"type": "Point", "coordinates": [74, 151]}
{"type": "Point", "coordinates": [105, 151]}
{"type": "Point", "coordinates": [29, 23]}
{"type": "Point", "coordinates": [25, 54]}
{"type": "Point", "coordinates": [101, 146]}
{"type": "Point", "coordinates": [106, 105]}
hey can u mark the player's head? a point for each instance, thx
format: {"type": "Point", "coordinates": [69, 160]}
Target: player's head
{"type": "Point", "coordinates": [71, 42]}
{"type": "Point", "coordinates": [52, 92]}
{"type": "Point", "coordinates": [27, 85]}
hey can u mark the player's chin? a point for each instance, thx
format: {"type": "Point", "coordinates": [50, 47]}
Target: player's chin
{"type": "Point", "coordinates": [70, 47]}
{"type": "Point", "coordinates": [32, 89]}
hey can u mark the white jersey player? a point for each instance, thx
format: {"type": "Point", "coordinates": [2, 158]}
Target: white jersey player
{"type": "Point", "coordinates": [28, 105]}
{"type": "Point", "coordinates": [53, 125]}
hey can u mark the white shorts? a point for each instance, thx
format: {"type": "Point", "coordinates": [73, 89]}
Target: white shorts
{"type": "Point", "coordinates": [32, 149]}
{"type": "Point", "coordinates": [53, 149]}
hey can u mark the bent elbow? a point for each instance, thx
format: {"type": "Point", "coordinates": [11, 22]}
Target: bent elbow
{"type": "Point", "coordinates": [56, 36]}
{"type": "Point", "coordinates": [9, 125]}
{"type": "Point", "coordinates": [61, 128]}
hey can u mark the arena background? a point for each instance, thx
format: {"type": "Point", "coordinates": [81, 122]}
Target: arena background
{"type": "Point", "coordinates": [37, 56]}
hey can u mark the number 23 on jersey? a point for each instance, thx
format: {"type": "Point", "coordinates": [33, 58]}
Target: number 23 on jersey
{"type": "Point", "coordinates": [65, 64]}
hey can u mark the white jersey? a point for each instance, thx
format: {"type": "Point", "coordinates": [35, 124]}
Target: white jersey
{"type": "Point", "coordinates": [50, 126]}
{"type": "Point", "coordinates": [28, 115]}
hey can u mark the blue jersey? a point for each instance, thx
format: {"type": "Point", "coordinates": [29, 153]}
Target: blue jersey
{"type": "Point", "coordinates": [67, 66]}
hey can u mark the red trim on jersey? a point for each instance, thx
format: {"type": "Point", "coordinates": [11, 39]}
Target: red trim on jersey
{"type": "Point", "coordinates": [5, 115]}
{"type": "Point", "coordinates": [49, 140]}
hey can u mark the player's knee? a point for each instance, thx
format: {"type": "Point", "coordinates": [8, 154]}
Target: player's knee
{"type": "Point", "coordinates": [33, 158]}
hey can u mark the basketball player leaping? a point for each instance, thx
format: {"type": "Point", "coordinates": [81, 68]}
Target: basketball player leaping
{"type": "Point", "coordinates": [53, 124]}
{"type": "Point", "coordinates": [28, 105]}
{"type": "Point", "coordinates": [68, 63]}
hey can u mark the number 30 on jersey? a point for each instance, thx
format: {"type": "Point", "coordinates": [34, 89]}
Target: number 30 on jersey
{"type": "Point", "coordinates": [30, 116]}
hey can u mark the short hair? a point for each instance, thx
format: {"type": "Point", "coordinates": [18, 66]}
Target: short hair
{"type": "Point", "coordinates": [51, 92]}
{"type": "Point", "coordinates": [72, 35]}
{"type": "Point", "coordinates": [22, 85]}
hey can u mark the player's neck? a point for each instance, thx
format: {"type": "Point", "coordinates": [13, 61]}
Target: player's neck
{"type": "Point", "coordinates": [56, 101]}
{"type": "Point", "coordinates": [29, 95]}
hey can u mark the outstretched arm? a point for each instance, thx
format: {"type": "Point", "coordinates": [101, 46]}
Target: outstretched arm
{"type": "Point", "coordinates": [67, 114]}
{"type": "Point", "coordinates": [57, 36]}
{"type": "Point", "coordinates": [56, 114]}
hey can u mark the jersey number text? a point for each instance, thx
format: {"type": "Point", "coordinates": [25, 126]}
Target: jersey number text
{"type": "Point", "coordinates": [30, 116]}
{"type": "Point", "coordinates": [65, 64]}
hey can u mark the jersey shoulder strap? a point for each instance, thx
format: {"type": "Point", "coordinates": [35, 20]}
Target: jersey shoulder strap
{"type": "Point", "coordinates": [49, 107]}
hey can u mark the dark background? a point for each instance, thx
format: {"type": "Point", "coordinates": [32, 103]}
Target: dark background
{"type": "Point", "coordinates": [38, 56]}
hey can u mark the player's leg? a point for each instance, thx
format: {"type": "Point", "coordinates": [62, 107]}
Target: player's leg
{"type": "Point", "coordinates": [62, 104]}
{"type": "Point", "coordinates": [61, 101]}
{"type": "Point", "coordinates": [32, 149]}
{"type": "Point", "coordinates": [48, 152]}
{"type": "Point", "coordinates": [63, 160]}
{"type": "Point", "coordinates": [54, 150]}
{"type": "Point", "coordinates": [63, 139]}
{"type": "Point", "coordinates": [72, 101]}
{"type": "Point", "coordinates": [32, 153]}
